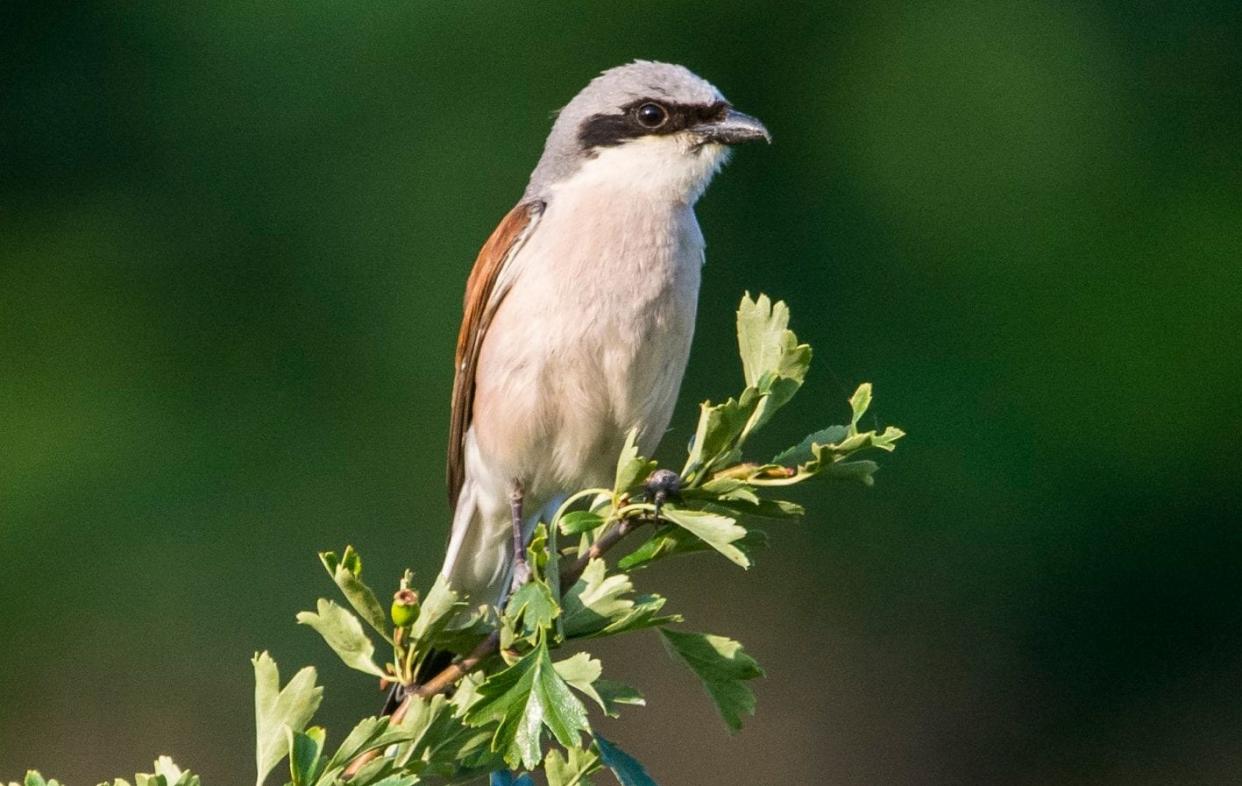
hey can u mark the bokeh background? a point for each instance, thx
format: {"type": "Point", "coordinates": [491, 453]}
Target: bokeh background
{"type": "Point", "coordinates": [233, 241]}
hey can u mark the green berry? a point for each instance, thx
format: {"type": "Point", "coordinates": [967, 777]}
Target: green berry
{"type": "Point", "coordinates": [404, 607]}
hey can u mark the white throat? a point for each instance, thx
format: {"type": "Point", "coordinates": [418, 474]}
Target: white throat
{"type": "Point", "coordinates": [672, 169]}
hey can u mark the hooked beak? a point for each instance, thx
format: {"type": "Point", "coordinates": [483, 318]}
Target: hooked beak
{"type": "Point", "coordinates": [733, 128]}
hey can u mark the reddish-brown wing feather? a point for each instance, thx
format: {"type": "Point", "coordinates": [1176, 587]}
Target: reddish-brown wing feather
{"type": "Point", "coordinates": [482, 298]}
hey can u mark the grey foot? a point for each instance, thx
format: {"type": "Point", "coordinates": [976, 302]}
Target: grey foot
{"type": "Point", "coordinates": [521, 568]}
{"type": "Point", "coordinates": [521, 575]}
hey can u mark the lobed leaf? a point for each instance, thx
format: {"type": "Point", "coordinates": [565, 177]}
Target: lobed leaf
{"type": "Point", "coordinates": [173, 775]}
{"type": "Point", "coordinates": [669, 540]}
{"type": "Point", "coordinates": [524, 699]}
{"type": "Point", "coordinates": [631, 467]}
{"type": "Point", "coordinates": [435, 741]}
{"type": "Point", "coordinates": [773, 362]}
{"type": "Point", "coordinates": [764, 339]}
{"type": "Point", "coordinates": [804, 450]}
{"type": "Point", "coordinates": [614, 694]}
{"type": "Point", "coordinates": [629, 771]}
{"type": "Point", "coordinates": [276, 709]}
{"type": "Point", "coordinates": [343, 633]}
{"type": "Point", "coordinates": [530, 612]}
{"type": "Point", "coordinates": [305, 755]}
{"type": "Point", "coordinates": [580, 671]}
{"type": "Point", "coordinates": [441, 610]}
{"type": "Point", "coordinates": [599, 605]}
{"type": "Point", "coordinates": [716, 530]}
{"type": "Point", "coordinates": [346, 571]}
{"type": "Point", "coordinates": [573, 769]}
{"type": "Point", "coordinates": [722, 667]}
{"type": "Point", "coordinates": [718, 430]}
{"type": "Point", "coordinates": [579, 521]}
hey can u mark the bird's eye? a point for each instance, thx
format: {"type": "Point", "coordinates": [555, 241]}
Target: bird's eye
{"type": "Point", "coordinates": [652, 115]}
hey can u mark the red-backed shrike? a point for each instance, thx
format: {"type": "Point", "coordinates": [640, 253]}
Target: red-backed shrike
{"type": "Point", "coordinates": [580, 309]}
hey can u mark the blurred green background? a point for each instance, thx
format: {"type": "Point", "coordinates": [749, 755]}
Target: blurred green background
{"type": "Point", "coordinates": [233, 241]}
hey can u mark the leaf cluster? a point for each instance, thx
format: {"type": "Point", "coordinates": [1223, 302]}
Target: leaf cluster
{"type": "Point", "coordinates": [513, 704]}
{"type": "Point", "coordinates": [166, 773]}
{"type": "Point", "coordinates": [522, 708]}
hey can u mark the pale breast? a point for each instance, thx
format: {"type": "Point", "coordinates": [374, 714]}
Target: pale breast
{"type": "Point", "coordinates": [591, 340]}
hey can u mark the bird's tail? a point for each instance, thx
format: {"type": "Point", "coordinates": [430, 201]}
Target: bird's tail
{"type": "Point", "coordinates": [479, 558]}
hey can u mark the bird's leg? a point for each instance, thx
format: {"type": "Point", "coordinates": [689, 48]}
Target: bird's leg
{"type": "Point", "coordinates": [521, 567]}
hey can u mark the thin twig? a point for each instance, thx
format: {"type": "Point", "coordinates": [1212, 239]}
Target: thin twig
{"type": "Point", "coordinates": [452, 673]}
{"type": "Point", "coordinates": [597, 549]}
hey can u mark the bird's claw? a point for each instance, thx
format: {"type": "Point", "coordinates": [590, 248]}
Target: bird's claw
{"type": "Point", "coordinates": [521, 575]}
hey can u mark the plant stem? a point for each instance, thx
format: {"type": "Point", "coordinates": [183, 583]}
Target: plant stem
{"type": "Point", "coordinates": [597, 549]}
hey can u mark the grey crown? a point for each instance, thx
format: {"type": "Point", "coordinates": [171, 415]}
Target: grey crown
{"type": "Point", "coordinates": [606, 94]}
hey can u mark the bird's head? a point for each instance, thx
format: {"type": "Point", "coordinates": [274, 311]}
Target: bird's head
{"type": "Point", "coordinates": [651, 129]}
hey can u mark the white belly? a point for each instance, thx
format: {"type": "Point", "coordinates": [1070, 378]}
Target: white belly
{"type": "Point", "coordinates": [590, 341]}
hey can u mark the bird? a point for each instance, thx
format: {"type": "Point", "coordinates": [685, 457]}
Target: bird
{"type": "Point", "coordinates": [579, 311]}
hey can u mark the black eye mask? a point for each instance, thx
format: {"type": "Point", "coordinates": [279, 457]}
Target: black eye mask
{"type": "Point", "coordinates": [607, 130]}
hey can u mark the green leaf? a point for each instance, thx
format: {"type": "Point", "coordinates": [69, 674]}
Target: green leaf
{"type": "Point", "coordinates": [580, 671]}
{"type": "Point", "coordinates": [763, 509]}
{"type": "Point", "coordinates": [305, 749]}
{"type": "Point", "coordinates": [276, 708]}
{"type": "Point", "coordinates": [594, 600]}
{"type": "Point", "coordinates": [537, 551]}
{"type": "Point", "coordinates": [716, 530]}
{"type": "Point", "coordinates": [862, 471]}
{"type": "Point", "coordinates": [826, 452]}
{"type": "Point", "coordinates": [827, 457]}
{"type": "Point", "coordinates": [571, 770]}
{"type": "Point", "coordinates": [631, 467]}
{"type": "Point", "coordinates": [721, 489]}
{"type": "Point", "coordinates": [773, 362]}
{"type": "Point", "coordinates": [615, 694]}
{"type": "Point", "coordinates": [776, 391]}
{"type": "Point", "coordinates": [522, 700]}
{"type": "Point", "coordinates": [359, 740]}
{"type": "Point", "coordinates": [343, 633]}
{"type": "Point", "coordinates": [720, 426]}
{"type": "Point", "coordinates": [396, 779]}
{"type": "Point", "coordinates": [579, 521]}
{"type": "Point", "coordinates": [774, 365]}
{"type": "Point", "coordinates": [174, 775]}
{"type": "Point", "coordinates": [723, 668]}
{"type": "Point", "coordinates": [761, 336]}
{"type": "Point", "coordinates": [438, 611]}
{"type": "Point", "coordinates": [346, 571]}
{"type": "Point", "coordinates": [377, 770]}
{"type": "Point", "coordinates": [430, 740]}
{"type": "Point", "coordinates": [803, 451]}
{"type": "Point", "coordinates": [462, 632]}
{"type": "Point", "coordinates": [859, 402]}
{"type": "Point", "coordinates": [736, 496]}
{"type": "Point", "coordinates": [434, 740]}
{"type": "Point", "coordinates": [629, 771]}
{"type": "Point", "coordinates": [669, 540]}
{"type": "Point", "coordinates": [530, 611]}
{"type": "Point", "coordinates": [598, 605]}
